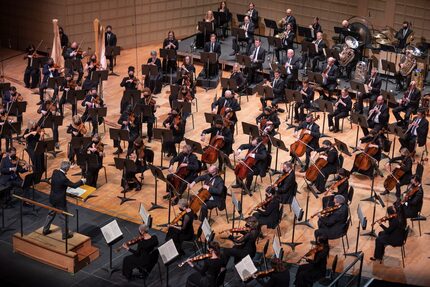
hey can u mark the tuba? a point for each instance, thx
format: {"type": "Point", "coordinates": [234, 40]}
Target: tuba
{"type": "Point", "coordinates": [360, 72]}
{"type": "Point", "coordinates": [348, 54]}
{"type": "Point", "coordinates": [408, 63]}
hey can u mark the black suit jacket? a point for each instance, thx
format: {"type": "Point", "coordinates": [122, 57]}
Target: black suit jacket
{"type": "Point", "coordinates": [59, 185]}
{"type": "Point", "coordinates": [315, 132]}
{"type": "Point", "coordinates": [320, 52]}
{"type": "Point", "coordinates": [422, 131]}
{"type": "Point", "coordinates": [402, 40]}
{"type": "Point", "coordinates": [226, 133]}
{"type": "Point", "coordinates": [112, 40]}
{"type": "Point", "coordinates": [383, 117]}
{"type": "Point", "coordinates": [216, 187]}
{"type": "Point", "coordinates": [287, 188]}
{"type": "Point", "coordinates": [260, 156]}
{"type": "Point", "coordinates": [288, 41]}
{"type": "Point", "coordinates": [278, 88]}
{"type": "Point", "coordinates": [333, 75]}
{"type": "Point", "coordinates": [335, 223]}
{"type": "Point", "coordinates": [250, 31]}
{"type": "Point", "coordinates": [291, 20]}
{"type": "Point", "coordinates": [414, 99]}
{"type": "Point", "coordinates": [217, 48]}
{"type": "Point", "coordinates": [376, 85]}
{"type": "Point", "coordinates": [261, 54]}
{"type": "Point", "coordinates": [394, 232]}
{"type": "Point", "coordinates": [295, 62]}
{"type": "Point", "coordinates": [254, 17]}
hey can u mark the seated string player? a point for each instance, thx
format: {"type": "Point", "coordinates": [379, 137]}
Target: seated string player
{"type": "Point", "coordinates": [176, 124]}
{"type": "Point", "coordinates": [308, 95]}
{"type": "Point", "coordinates": [129, 122]}
{"type": "Point", "coordinates": [181, 228]}
{"type": "Point", "coordinates": [227, 107]}
{"type": "Point", "coordinates": [340, 187]}
{"type": "Point", "coordinates": [219, 131]}
{"type": "Point", "coordinates": [268, 122]}
{"type": "Point", "coordinates": [404, 163]}
{"type": "Point", "coordinates": [408, 104]}
{"type": "Point", "coordinates": [331, 155]}
{"type": "Point", "coordinates": [416, 133]}
{"type": "Point", "coordinates": [92, 101]}
{"type": "Point", "coordinates": [343, 108]}
{"type": "Point", "coordinates": [332, 220]}
{"type": "Point", "coordinates": [268, 212]}
{"type": "Point", "coordinates": [412, 198]}
{"type": "Point", "coordinates": [285, 185]}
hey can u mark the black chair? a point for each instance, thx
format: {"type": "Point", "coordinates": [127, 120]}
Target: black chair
{"type": "Point", "coordinates": [221, 277]}
{"type": "Point", "coordinates": [261, 259]}
{"type": "Point", "coordinates": [330, 273]}
{"type": "Point", "coordinates": [344, 235]}
{"type": "Point", "coordinates": [147, 270]}
{"type": "Point", "coordinates": [224, 195]}
{"type": "Point", "coordinates": [349, 200]}
{"type": "Point", "coordinates": [402, 246]}
{"type": "Point", "coordinates": [418, 218]}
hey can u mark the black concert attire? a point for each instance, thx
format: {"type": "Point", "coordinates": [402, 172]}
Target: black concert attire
{"type": "Point", "coordinates": [74, 131]}
{"type": "Point", "coordinates": [93, 169]}
{"type": "Point", "coordinates": [269, 214]}
{"type": "Point", "coordinates": [169, 65]}
{"type": "Point", "coordinates": [37, 160]}
{"type": "Point", "coordinates": [218, 193]}
{"type": "Point", "coordinates": [154, 82]}
{"type": "Point", "coordinates": [206, 275]}
{"type": "Point", "coordinates": [212, 47]}
{"type": "Point", "coordinates": [406, 167]}
{"type": "Point", "coordinates": [65, 88]}
{"type": "Point", "coordinates": [187, 69]}
{"type": "Point", "coordinates": [277, 279]}
{"type": "Point", "coordinates": [141, 166]}
{"type": "Point", "coordinates": [177, 131]}
{"type": "Point", "coordinates": [132, 127]}
{"type": "Point", "coordinates": [253, 16]}
{"type": "Point", "coordinates": [145, 103]}
{"type": "Point", "coordinates": [57, 198]}
{"type": "Point", "coordinates": [414, 204]}
{"type": "Point", "coordinates": [86, 117]}
{"type": "Point", "coordinates": [204, 36]}
{"type": "Point", "coordinates": [73, 63]}
{"type": "Point", "coordinates": [47, 117]}
{"type": "Point", "coordinates": [287, 43]}
{"type": "Point", "coordinates": [7, 132]}
{"type": "Point", "coordinates": [314, 270]}
{"type": "Point", "coordinates": [330, 168]}
{"type": "Point", "coordinates": [313, 144]}
{"type": "Point", "coordinates": [258, 56]}
{"type": "Point", "coordinates": [413, 100]}
{"type": "Point", "coordinates": [240, 81]}
{"type": "Point", "coordinates": [64, 40]}
{"type": "Point", "coordinates": [278, 88]}
{"type": "Point", "coordinates": [230, 103]}
{"type": "Point", "coordinates": [225, 132]}
{"type": "Point", "coordinates": [375, 82]}
{"type": "Point", "coordinates": [378, 119]}
{"type": "Point", "coordinates": [330, 83]}
{"type": "Point", "coordinates": [185, 233]}
{"type": "Point", "coordinates": [402, 35]}
{"type": "Point", "coordinates": [110, 41]}
{"type": "Point", "coordinates": [261, 164]}
{"type": "Point", "coordinates": [342, 111]}
{"type": "Point", "coordinates": [31, 74]}
{"type": "Point", "coordinates": [88, 82]}
{"type": "Point", "coordinates": [8, 177]}
{"type": "Point", "coordinates": [316, 28]}
{"type": "Point", "coordinates": [249, 38]}
{"type": "Point", "coordinates": [47, 73]}
{"type": "Point", "coordinates": [268, 130]}
{"type": "Point", "coordinates": [243, 246]}
{"type": "Point", "coordinates": [287, 188]}
{"type": "Point", "coordinates": [342, 189]}
{"type": "Point", "coordinates": [8, 99]}
{"type": "Point", "coordinates": [224, 23]}
{"type": "Point", "coordinates": [378, 140]}
{"type": "Point", "coordinates": [292, 66]}
{"type": "Point", "coordinates": [192, 167]}
{"type": "Point", "coordinates": [299, 107]}
{"type": "Point", "coordinates": [130, 84]}
{"type": "Point", "coordinates": [139, 258]}
{"type": "Point", "coordinates": [333, 225]}
{"type": "Point", "coordinates": [415, 135]}
{"type": "Point", "coordinates": [391, 235]}
{"type": "Point", "coordinates": [319, 56]}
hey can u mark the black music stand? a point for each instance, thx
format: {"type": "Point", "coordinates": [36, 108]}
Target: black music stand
{"type": "Point", "coordinates": [125, 165]}
{"type": "Point", "coordinates": [397, 132]}
{"type": "Point", "coordinates": [195, 146]}
{"type": "Point", "coordinates": [325, 107]}
{"type": "Point", "coordinates": [229, 84]}
{"type": "Point", "coordinates": [274, 42]}
{"type": "Point", "coordinates": [163, 135]}
{"type": "Point", "coordinates": [149, 70]}
{"type": "Point", "coordinates": [244, 60]}
{"type": "Point", "coordinates": [167, 55]}
{"type": "Point", "coordinates": [239, 34]}
{"type": "Point", "coordinates": [378, 200]}
{"type": "Point", "coordinates": [209, 59]}
{"type": "Point", "coordinates": [357, 86]}
{"type": "Point", "coordinates": [73, 96]}
{"type": "Point", "coordinates": [78, 143]}
{"type": "Point", "coordinates": [237, 205]}
{"type": "Point", "coordinates": [119, 135]}
{"type": "Point", "coordinates": [390, 98]}
{"type": "Point", "coordinates": [289, 100]}
{"type": "Point", "coordinates": [388, 66]}
{"type": "Point", "coordinates": [211, 118]}
{"type": "Point", "coordinates": [297, 98]}
{"type": "Point", "coordinates": [158, 175]}
{"type": "Point", "coordinates": [265, 92]}
{"type": "Point", "coordinates": [308, 48]}
{"type": "Point", "coordinates": [99, 77]}
{"type": "Point", "coordinates": [278, 144]}
{"type": "Point", "coordinates": [251, 130]}
{"type": "Point", "coordinates": [220, 17]}
{"type": "Point", "coordinates": [362, 223]}
{"type": "Point", "coordinates": [43, 147]}
{"type": "Point", "coordinates": [298, 215]}
{"type": "Point", "coordinates": [225, 162]}
{"type": "Point", "coordinates": [55, 82]}
{"type": "Point", "coordinates": [97, 113]}
{"type": "Point", "coordinates": [112, 51]}
{"type": "Point", "coordinates": [29, 181]}
{"type": "Point", "coordinates": [205, 28]}
{"type": "Point", "coordinates": [342, 147]}
{"type": "Point", "coordinates": [306, 222]}
{"type": "Point", "coordinates": [361, 121]}
{"type": "Point", "coordinates": [305, 32]}
{"type": "Point", "coordinates": [271, 24]}
{"type": "Point", "coordinates": [132, 96]}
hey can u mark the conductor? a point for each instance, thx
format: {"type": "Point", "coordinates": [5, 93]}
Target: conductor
{"type": "Point", "coordinates": [57, 197]}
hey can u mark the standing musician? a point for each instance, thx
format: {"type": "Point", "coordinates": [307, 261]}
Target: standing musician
{"type": "Point", "coordinates": [310, 127]}
{"type": "Point", "coordinates": [9, 97]}
{"type": "Point", "coordinates": [31, 73]}
{"type": "Point", "coordinates": [63, 38]}
{"type": "Point", "coordinates": [5, 134]}
{"type": "Point", "coordinates": [329, 152]}
{"type": "Point", "coordinates": [292, 66]}
{"type": "Point", "coordinates": [278, 88]}
{"type": "Point", "coordinates": [218, 130]}
{"type": "Point", "coordinates": [32, 135]}
{"type": "Point", "coordinates": [269, 122]}
{"type": "Point", "coordinates": [139, 155]}
{"type": "Point", "coordinates": [90, 67]}
{"type": "Point", "coordinates": [256, 150]}
{"type": "Point", "coordinates": [154, 81]}
{"type": "Point", "coordinates": [176, 124]}
{"type": "Point", "coordinates": [130, 83]}
{"type": "Point", "coordinates": [416, 133]}
{"type": "Point", "coordinates": [227, 107]}
{"type": "Point", "coordinates": [393, 234]}
{"type": "Point", "coordinates": [183, 231]}
{"type": "Point", "coordinates": [412, 199]}
{"type": "Point", "coordinates": [148, 102]}
{"type": "Point", "coordinates": [207, 274]}
{"type": "Point", "coordinates": [213, 46]}
{"type": "Point", "coordinates": [331, 225]}
{"type": "Point", "coordinates": [258, 56]}
{"type": "Point", "coordinates": [308, 95]}
{"type": "Point", "coordinates": [185, 159]}
{"type": "Point", "coordinates": [213, 183]}
{"type": "Point", "coordinates": [68, 84]}
{"type": "Point", "coordinates": [141, 257]}
{"type": "Point", "coordinates": [170, 43]}
{"type": "Point", "coordinates": [222, 8]}
{"type": "Point", "coordinates": [288, 19]}
{"type": "Point", "coordinates": [95, 147]}
{"type": "Point", "coordinates": [128, 121]}
{"type": "Point", "coordinates": [268, 212]}
{"type": "Point", "coordinates": [73, 57]}
{"type": "Point", "coordinates": [403, 35]}
{"type": "Point", "coordinates": [330, 74]}
{"type": "Point", "coordinates": [378, 116]}
{"type": "Point", "coordinates": [405, 164]}
{"type": "Point", "coordinates": [287, 41]}
{"type": "Point", "coordinates": [92, 101]}
{"type": "Point", "coordinates": [76, 129]}
{"type": "Point", "coordinates": [343, 108]}
{"type": "Point", "coordinates": [408, 104]}
{"type": "Point", "coordinates": [278, 275]}
{"type": "Point", "coordinates": [319, 56]}
{"type": "Point", "coordinates": [285, 185]}
{"type": "Point", "coordinates": [340, 187]}
{"type": "Point", "coordinates": [110, 41]}
{"type": "Point", "coordinates": [48, 110]}
{"type": "Point", "coordinates": [50, 70]}
{"type": "Point", "coordinates": [245, 243]}
{"type": "Point", "coordinates": [372, 87]}
{"type": "Point", "coordinates": [238, 78]}
{"type": "Point", "coordinates": [316, 268]}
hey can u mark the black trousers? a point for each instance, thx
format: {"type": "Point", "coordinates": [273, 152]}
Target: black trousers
{"type": "Point", "coordinates": [92, 176]}
{"type": "Point", "coordinates": [336, 115]}
{"type": "Point", "coordinates": [323, 176]}
{"type": "Point", "coordinates": [381, 241]}
{"type": "Point", "coordinates": [306, 276]}
{"type": "Point", "coordinates": [31, 77]}
{"type": "Point", "coordinates": [299, 111]}
{"type": "Point", "coordinates": [237, 253]}
{"type": "Point", "coordinates": [408, 112]}
{"type": "Point", "coordinates": [375, 126]}
{"type": "Point", "coordinates": [149, 126]}
{"type": "Point", "coordinates": [209, 205]}
{"type": "Point", "coordinates": [131, 262]}
{"type": "Point", "coordinates": [236, 47]}
{"type": "Point", "coordinates": [404, 180]}
{"type": "Point", "coordinates": [51, 216]}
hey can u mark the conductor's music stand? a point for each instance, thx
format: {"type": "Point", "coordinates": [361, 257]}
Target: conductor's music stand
{"type": "Point", "coordinates": [126, 165]}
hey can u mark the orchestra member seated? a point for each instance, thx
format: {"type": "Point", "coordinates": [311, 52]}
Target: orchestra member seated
{"type": "Point", "coordinates": [248, 27]}
{"type": "Point", "coordinates": [73, 58]}
{"type": "Point", "coordinates": [343, 108]}
{"type": "Point", "coordinates": [373, 140]}
{"type": "Point", "coordinates": [319, 56]}
{"type": "Point", "coordinates": [288, 19]}
{"type": "Point", "coordinates": [245, 243]}
{"type": "Point", "coordinates": [278, 88]}
{"type": "Point", "coordinates": [258, 56]}
{"type": "Point", "coordinates": [330, 75]}
{"type": "Point", "coordinates": [95, 147]}
{"type": "Point", "coordinates": [277, 278]}
{"type": "Point", "coordinates": [206, 274]}
{"type": "Point", "coordinates": [110, 41]}
{"type": "Point", "coordinates": [227, 107]}
{"type": "Point", "coordinates": [342, 189]}
{"type": "Point", "coordinates": [148, 102]}
{"type": "Point", "coordinates": [308, 95]}
{"type": "Point", "coordinates": [269, 123]}
{"type": "Point", "coordinates": [408, 104]}
{"type": "Point", "coordinates": [378, 116]}
{"type": "Point", "coordinates": [224, 22]}
{"type": "Point", "coordinates": [269, 213]}
{"type": "Point", "coordinates": [170, 43]}
{"type": "Point", "coordinates": [213, 183]}
{"type": "Point", "coordinates": [10, 170]}
{"type": "Point", "coordinates": [129, 83]}
{"type": "Point", "coordinates": [405, 164]}
{"type": "Point", "coordinates": [141, 257]}
{"type": "Point", "coordinates": [139, 155]}
{"type": "Point", "coordinates": [373, 84]}
{"type": "Point", "coordinates": [238, 78]}
{"type": "Point", "coordinates": [31, 74]}
{"type": "Point", "coordinates": [403, 34]}
{"type": "Point", "coordinates": [310, 127]}
{"type": "Point", "coordinates": [329, 152]}
{"type": "Point", "coordinates": [76, 129]}
{"type": "Point", "coordinates": [292, 66]}
{"type": "Point", "coordinates": [416, 133]}
{"type": "Point", "coordinates": [219, 130]}
{"type": "Point", "coordinates": [332, 226]}
{"type": "Point", "coordinates": [176, 124]}
{"type": "Point", "coordinates": [413, 198]}
{"type": "Point", "coordinates": [49, 71]}
{"type": "Point", "coordinates": [90, 67]}
{"type": "Point", "coordinates": [315, 28]}
{"type": "Point", "coordinates": [128, 121]}
{"type": "Point", "coordinates": [346, 27]}
{"type": "Point", "coordinates": [316, 267]}
{"type": "Point", "coordinates": [184, 230]}
{"type": "Point", "coordinates": [400, 76]}
{"type": "Point", "coordinates": [187, 68]}
{"type": "Point", "coordinates": [203, 36]}
{"type": "Point", "coordinates": [92, 101]}
{"type": "Point", "coordinates": [49, 110]}
{"type": "Point", "coordinates": [252, 13]}
{"type": "Point", "coordinates": [212, 47]}
{"type": "Point", "coordinates": [392, 235]}
{"type": "Point", "coordinates": [258, 151]}
{"type": "Point", "coordinates": [285, 186]}
{"type": "Point", "coordinates": [153, 82]}
{"type": "Point", "coordinates": [287, 41]}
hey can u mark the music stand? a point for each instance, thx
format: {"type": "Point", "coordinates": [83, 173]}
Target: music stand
{"type": "Point", "coordinates": [111, 239]}
{"type": "Point", "coordinates": [163, 135]}
{"type": "Point", "coordinates": [388, 66]}
{"type": "Point", "coordinates": [205, 28]}
{"type": "Point", "coordinates": [251, 130]}
{"type": "Point", "coordinates": [220, 17]}
{"type": "Point", "coordinates": [211, 118]}
{"type": "Point", "coordinates": [119, 135]}
{"type": "Point", "coordinates": [167, 55]}
{"type": "Point", "coordinates": [325, 107]}
{"type": "Point", "coordinates": [265, 92]}
{"type": "Point", "coordinates": [389, 97]}
{"type": "Point", "coordinates": [237, 205]}
{"type": "Point", "coordinates": [208, 58]}
{"type": "Point", "coordinates": [225, 162]}
{"type": "Point", "coordinates": [97, 113]}
{"type": "Point", "coordinates": [125, 165]}
{"type": "Point", "coordinates": [397, 132]}
{"type": "Point", "coordinates": [195, 146]}
{"type": "Point", "coordinates": [297, 98]}
{"type": "Point", "coordinates": [274, 42]}
{"type": "Point", "coordinates": [357, 86]}
{"type": "Point", "coordinates": [308, 48]}
{"type": "Point", "coordinates": [289, 100]}
{"type": "Point", "coordinates": [278, 144]}
{"type": "Point", "coordinates": [112, 52]}
{"type": "Point", "coordinates": [43, 147]}
{"type": "Point", "coordinates": [29, 181]}
{"type": "Point", "coordinates": [55, 82]}
{"type": "Point", "coordinates": [298, 215]}
{"type": "Point", "coordinates": [362, 222]}
{"type": "Point", "coordinates": [77, 143]}
{"type": "Point", "coordinates": [158, 175]}
{"type": "Point", "coordinates": [244, 60]}
{"type": "Point", "coordinates": [73, 96]}
{"type": "Point", "coordinates": [305, 32]}
{"type": "Point", "coordinates": [149, 70]}
{"type": "Point", "coordinates": [132, 96]}
{"type": "Point", "coordinates": [342, 147]}
{"type": "Point", "coordinates": [361, 121]}
{"type": "Point", "coordinates": [378, 200]}
{"type": "Point", "coordinates": [99, 77]}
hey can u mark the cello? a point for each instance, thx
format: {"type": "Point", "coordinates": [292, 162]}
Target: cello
{"type": "Point", "coordinates": [313, 171]}
{"type": "Point", "coordinates": [210, 154]}
{"type": "Point", "coordinates": [393, 178]}
{"type": "Point", "coordinates": [298, 148]}
{"type": "Point", "coordinates": [363, 161]}
{"type": "Point", "coordinates": [243, 167]}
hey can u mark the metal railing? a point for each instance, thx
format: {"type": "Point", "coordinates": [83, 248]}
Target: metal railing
{"type": "Point", "coordinates": [357, 277]}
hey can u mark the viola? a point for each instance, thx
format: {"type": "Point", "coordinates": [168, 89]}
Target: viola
{"type": "Point", "coordinates": [409, 193]}
{"type": "Point", "coordinates": [326, 211]}
{"type": "Point", "coordinates": [299, 147]}
{"type": "Point", "coordinates": [384, 218]}
{"type": "Point", "coordinates": [178, 217]}
{"type": "Point", "coordinates": [242, 168]}
{"type": "Point", "coordinates": [278, 181]}
{"type": "Point", "coordinates": [261, 204]}
{"type": "Point", "coordinates": [335, 185]}
{"type": "Point", "coordinates": [210, 154]}
{"type": "Point", "coordinates": [315, 169]}
{"type": "Point", "coordinates": [132, 242]}
{"type": "Point", "coordinates": [237, 230]}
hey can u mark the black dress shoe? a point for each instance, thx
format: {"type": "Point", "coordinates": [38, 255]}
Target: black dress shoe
{"type": "Point", "coordinates": [375, 259]}
{"type": "Point", "coordinates": [46, 232]}
{"type": "Point", "coordinates": [236, 185]}
{"type": "Point", "coordinates": [39, 103]}
{"type": "Point", "coordinates": [331, 129]}
{"type": "Point", "coordinates": [118, 151]}
{"type": "Point", "coordinates": [70, 235]}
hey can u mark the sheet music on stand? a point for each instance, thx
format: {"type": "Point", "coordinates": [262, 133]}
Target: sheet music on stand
{"type": "Point", "coordinates": [245, 268]}
{"type": "Point", "coordinates": [298, 211]}
{"type": "Point", "coordinates": [168, 251]}
{"type": "Point", "coordinates": [111, 231]}
{"type": "Point", "coordinates": [276, 246]}
{"type": "Point", "coordinates": [146, 217]}
{"type": "Point", "coordinates": [236, 203]}
{"type": "Point", "coordinates": [206, 229]}
{"type": "Point", "coordinates": [78, 192]}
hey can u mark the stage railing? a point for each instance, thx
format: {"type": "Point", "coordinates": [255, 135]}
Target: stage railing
{"type": "Point", "coordinates": [354, 277]}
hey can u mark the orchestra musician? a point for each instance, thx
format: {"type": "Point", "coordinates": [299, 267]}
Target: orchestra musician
{"type": "Point", "coordinates": [128, 121]}
{"type": "Point", "coordinates": [343, 108]}
{"type": "Point", "coordinates": [185, 93]}
{"type": "Point", "coordinates": [49, 110]}
{"type": "Point", "coordinates": [176, 124]}
{"type": "Point", "coordinates": [245, 243]}
{"type": "Point", "coordinates": [257, 150]}
{"type": "Point", "coordinates": [213, 46]}
{"type": "Point", "coordinates": [31, 74]}
{"type": "Point", "coordinates": [183, 231]}
{"type": "Point", "coordinates": [408, 56]}
{"type": "Point", "coordinates": [416, 133]}
{"type": "Point", "coordinates": [10, 170]}
{"type": "Point", "coordinates": [278, 276]}
{"type": "Point", "coordinates": [220, 131]}
{"type": "Point", "coordinates": [92, 101]}
{"type": "Point", "coordinates": [187, 68]}
{"type": "Point", "coordinates": [375, 142]}
{"type": "Point", "coordinates": [413, 198]}
{"type": "Point", "coordinates": [320, 47]}
{"type": "Point", "coordinates": [5, 133]}
{"type": "Point", "coordinates": [258, 56]}
{"type": "Point", "coordinates": [330, 75]}
{"type": "Point", "coordinates": [141, 257]}
{"type": "Point", "coordinates": [408, 104]}
{"type": "Point", "coordinates": [207, 274]}
{"type": "Point", "coordinates": [95, 147]}
{"type": "Point", "coordinates": [49, 71]}
{"type": "Point", "coordinates": [316, 267]}
{"type": "Point", "coordinates": [269, 122]}
{"type": "Point", "coordinates": [227, 107]}
{"type": "Point", "coordinates": [340, 187]}
{"type": "Point", "coordinates": [329, 152]}
{"type": "Point", "coordinates": [315, 28]}
{"type": "Point", "coordinates": [110, 41]}
{"type": "Point", "coordinates": [378, 116]}
{"type": "Point", "coordinates": [129, 83]}
{"type": "Point", "coordinates": [269, 213]}
{"type": "Point", "coordinates": [252, 13]}
{"type": "Point", "coordinates": [139, 155]}
{"type": "Point", "coordinates": [346, 27]}
{"type": "Point", "coordinates": [213, 183]}
{"type": "Point", "coordinates": [278, 88]}
{"type": "Point", "coordinates": [292, 66]}
{"type": "Point", "coordinates": [405, 164]}
{"type": "Point", "coordinates": [90, 67]}
{"type": "Point", "coordinates": [308, 95]}
{"type": "Point", "coordinates": [147, 102]}
{"type": "Point", "coordinates": [76, 129]}
{"type": "Point", "coordinates": [314, 130]}
{"type": "Point", "coordinates": [287, 41]}
{"type": "Point", "coordinates": [290, 19]}
{"type": "Point", "coordinates": [68, 84]}
{"type": "Point", "coordinates": [393, 234]}
{"type": "Point", "coordinates": [222, 8]}
{"type": "Point", "coordinates": [170, 43]}
{"type": "Point", "coordinates": [332, 225]}
{"type": "Point", "coordinates": [9, 97]}
{"type": "Point", "coordinates": [64, 40]}
{"type": "Point", "coordinates": [73, 63]}
{"type": "Point", "coordinates": [403, 35]}
{"type": "Point", "coordinates": [203, 36]}
{"type": "Point", "coordinates": [249, 27]}
{"type": "Point", "coordinates": [373, 90]}
{"type": "Point", "coordinates": [285, 186]}
{"type": "Point", "coordinates": [238, 78]}
{"type": "Point", "coordinates": [32, 136]}
{"type": "Point", "coordinates": [153, 82]}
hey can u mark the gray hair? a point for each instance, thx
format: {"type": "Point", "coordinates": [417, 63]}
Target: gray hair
{"type": "Point", "coordinates": [65, 165]}
{"type": "Point", "coordinates": [183, 203]}
{"type": "Point", "coordinates": [339, 198]}
{"type": "Point", "coordinates": [143, 228]}
{"type": "Point", "coordinates": [153, 53]}
{"type": "Point", "coordinates": [227, 92]}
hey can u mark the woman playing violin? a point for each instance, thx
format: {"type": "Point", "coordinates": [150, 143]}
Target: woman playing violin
{"type": "Point", "coordinates": [139, 155]}
{"type": "Point", "coordinates": [49, 110]}
{"type": "Point", "coordinates": [341, 187]}
{"type": "Point", "coordinates": [32, 135]}
{"type": "Point", "coordinates": [76, 129]}
{"type": "Point", "coordinates": [92, 101]}
{"type": "Point", "coordinates": [95, 147]}
{"type": "Point", "coordinates": [176, 124]}
{"type": "Point", "coordinates": [184, 231]}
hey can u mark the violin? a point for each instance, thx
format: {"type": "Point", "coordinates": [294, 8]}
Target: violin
{"type": "Point", "coordinates": [326, 211]}
{"type": "Point", "coordinates": [278, 181]}
{"type": "Point", "coordinates": [261, 204]}
{"type": "Point", "coordinates": [298, 148]}
{"type": "Point", "coordinates": [82, 129]}
{"type": "Point", "coordinates": [210, 154]}
{"type": "Point", "coordinates": [364, 160]}
{"type": "Point", "coordinates": [412, 189]}
{"type": "Point", "coordinates": [384, 218]}
{"type": "Point", "coordinates": [310, 255]}
{"type": "Point", "coordinates": [263, 273]}
{"type": "Point", "coordinates": [335, 185]}
{"type": "Point", "coordinates": [131, 242]}
{"type": "Point", "coordinates": [242, 167]}
{"type": "Point", "coordinates": [315, 169]}
{"type": "Point", "coordinates": [237, 230]}
{"type": "Point", "coordinates": [265, 128]}
{"type": "Point", "coordinates": [196, 258]}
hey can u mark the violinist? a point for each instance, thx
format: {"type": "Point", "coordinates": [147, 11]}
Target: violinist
{"type": "Point", "coordinates": [310, 127]}
{"type": "Point", "coordinates": [343, 108]}
{"type": "Point", "coordinates": [130, 83]}
{"type": "Point", "coordinates": [32, 72]}
{"type": "Point", "coordinates": [139, 155]}
{"type": "Point", "coordinates": [245, 243]}
{"type": "Point", "coordinates": [413, 198]}
{"type": "Point", "coordinates": [128, 121]}
{"type": "Point", "coordinates": [185, 93]}
{"type": "Point", "coordinates": [153, 82]}
{"type": "Point", "coordinates": [392, 235]}
{"type": "Point", "coordinates": [11, 96]}
{"type": "Point", "coordinates": [10, 168]}
{"type": "Point", "coordinates": [378, 116]}
{"type": "Point", "coordinates": [218, 130]}
{"type": "Point", "coordinates": [258, 152]}
{"type": "Point", "coordinates": [316, 267]}
{"type": "Point", "coordinates": [268, 213]}
{"type": "Point", "coordinates": [49, 110]}
{"type": "Point", "coordinates": [76, 129]}
{"type": "Point", "coordinates": [374, 143]}
{"type": "Point", "coordinates": [329, 152]}
{"type": "Point", "coordinates": [170, 43]}
{"type": "Point", "coordinates": [141, 257]}
{"type": "Point", "coordinates": [147, 102]}
{"type": "Point", "coordinates": [213, 183]}
{"type": "Point", "coordinates": [68, 84]}
{"type": "Point", "coordinates": [285, 186]}
{"type": "Point", "coordinates": [176, 124]}
{"type": "Point", "coordinates": [90, 67]}
{"type": "Point", "coordinates": [416, 133]}
{"type": "Point", "coordinates": [49, 71]}
{"type": "Point", "coordinates": [187, 68]}
{"type": "Point", "coordinates": [92, 101]}
{"type": "Point", "coordinates": [341, 187]}
{"type": "Point", "coordinates": [207, 273]}
{"type": "Point", "coordinates": [32, 135]}
{"type": "Point", "coordinates": [373, 89]}
{"type": "Point", "coordinates": [227, 107]}
{"type": "Point", "coordinates": [278, 88]}
{"type": "Point", "coordinates": [332, 225]}
{"type": "Point", "coordinates": [408, 104]}
{"type": "Point", "coordinates": [5, 133]}
{"type": "Point", "coordinates": [308, 94]}
{"type": "Point", "coordinates": [405, 164]}
{"type": "Point", "coordinates": [95, 147]}
{"type": "Point", "coordinates": [73, 57]}
{"type": "Point", "coordinates": [268, 122]}
{"type": "Point", "coordinates": [183, 231]}
{"type": "Point", "coordinates": [279, 274]}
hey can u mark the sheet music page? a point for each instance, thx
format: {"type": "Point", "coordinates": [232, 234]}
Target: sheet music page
{"type": "Point", "coordinates": [276, 246]}
{"type": "Point", "coordinates": [296, 208]}
{"type": "Point", "coordinates": [111, 231]}
{"type": "Point", "coordinates": [245, 268]}
{"type": "Point", "coordinates": [168, 251]}
{"type": "Point", "coordinates": [143, 213]}
{"type": "Point", "coordinates": [235, 202]}
{"type": "Point", "coordinates": [75, 191]}
{"type": "Point", "coordinates": [206, 228]}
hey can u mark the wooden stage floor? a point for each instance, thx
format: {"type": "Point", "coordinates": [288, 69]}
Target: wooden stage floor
{"type": "Point", "coordinates": [107, 201]}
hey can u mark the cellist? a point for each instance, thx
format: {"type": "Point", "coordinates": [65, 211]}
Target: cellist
{"type": "Point", "coordinates": [268, 121]}
{"type": "Point", "coordinates": [312, 129]}
{"type": "Point", "coordinates": [227, 107]}
{"type": "Point", "coordinates": [220, 131]}
{"type": "Point", "coordinates": [405, 164]}
{"type": "Point", "coordinates": [176, 124]}
{"type": "Point", "coordinates": [332, 158]}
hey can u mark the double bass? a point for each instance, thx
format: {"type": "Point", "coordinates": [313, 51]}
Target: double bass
{"type": "Point", "coordinates": [298, 148]}
{"type": "Point", "coordinates": [243, 167]}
